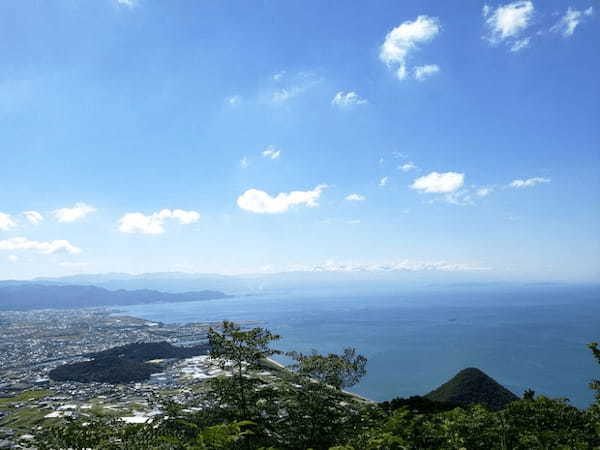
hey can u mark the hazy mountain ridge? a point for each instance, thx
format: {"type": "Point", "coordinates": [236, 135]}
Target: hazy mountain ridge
{"type": "Point", "coordinates": [26, 296]}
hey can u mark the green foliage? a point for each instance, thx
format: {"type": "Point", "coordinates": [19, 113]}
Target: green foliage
{"type": "Point", "coordinates": [24, 396]}
{"type": "Point", "coordinates": [305, 410]}
{"type": "Point", "coordinates": [595, 384]}
{"type": "Point", "coordinates": [339, 371]}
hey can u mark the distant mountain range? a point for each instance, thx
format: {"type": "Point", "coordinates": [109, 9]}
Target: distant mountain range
{"type": "Point", "coordinates": [257, 283]}
{"type": "Point", "coordinates": [38, 296]}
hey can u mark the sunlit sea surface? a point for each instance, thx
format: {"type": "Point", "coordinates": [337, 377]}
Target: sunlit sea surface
{"type": "Point", "coordinates": [523, 336]}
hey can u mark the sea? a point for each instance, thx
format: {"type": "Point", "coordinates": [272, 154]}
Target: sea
{"type": "Point", "coordinates": [524, 336]}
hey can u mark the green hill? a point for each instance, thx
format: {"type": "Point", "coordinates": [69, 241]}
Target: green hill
{"type": "Point", "coordinates": [124, 364]}
{"type": "Point", "coordinates": [472, 386]}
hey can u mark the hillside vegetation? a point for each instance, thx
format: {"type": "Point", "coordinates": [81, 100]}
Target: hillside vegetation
{"type": "Point", "coordinates": [307, 408]}
{"type": "Point", "coordinates": [124, 364]}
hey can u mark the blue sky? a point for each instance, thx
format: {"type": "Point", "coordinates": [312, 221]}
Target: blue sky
{"type": "Point", "coordinates": [233, 137]}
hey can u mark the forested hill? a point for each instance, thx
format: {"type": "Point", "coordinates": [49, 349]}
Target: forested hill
{"type": "Point", "coordinates": [40, 296]}
{"type": "Point", "coordinates": [472, 386]}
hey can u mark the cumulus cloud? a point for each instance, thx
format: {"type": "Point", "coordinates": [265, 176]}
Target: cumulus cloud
{"type": "Point", "coordinates": [355, 198]}
{"type": "Point", "coordinates": [6, 222]}
{"type": "Point", "coordinates": [45, 247]}
{"type": "Point", "coordinates": [393, 266]}
{"type": "Point", "coordinates": [257, 201]}
{"type": "Point", "coordinates": [424, 72]}
{"type": "Point", "coordinates": [271, 152]}
{"type": "Point", "coordinates": [404, 39]}
{"type": "Point", "coordinates": [529, 182]}
{"type": "Point", "coordinates": [77, 212]}
{"type": "Point", "coordinates": [347, 99]}
{"type": "Point", "coordinates": [508, 22]}
{"type": "Point", "coordinates": [573, 17]}
{"type": "Point", "coordinates": [244, 163]}
{"type": "Point", "coordinates": [383, 181]}
{"type": "Point", "coordinates": [407, 167]}
{"type": "Point", "coordinates": [439, 183]}
{"type": "Point", "coordinates": [154, 223]}
{"type": "Point", "coordinates": [33, 217]}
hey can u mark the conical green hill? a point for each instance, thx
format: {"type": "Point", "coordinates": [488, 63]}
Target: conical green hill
{"type": "Point", "coordinates": [472, 386]}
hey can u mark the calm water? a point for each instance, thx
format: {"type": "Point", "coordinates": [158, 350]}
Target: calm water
{"type": "Point", "coordinates": [524, 337]}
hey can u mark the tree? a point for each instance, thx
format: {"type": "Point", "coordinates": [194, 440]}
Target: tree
{"type": "Point", "coordinates": [239, 351]}
{"type": "Point", "coordinates": [595, 384]}
{"type": "Point", "coordinates": [339, 371]}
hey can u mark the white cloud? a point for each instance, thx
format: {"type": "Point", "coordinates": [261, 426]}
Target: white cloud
{"type": "Point", "coordinates": [355, 198]}
{"type": "Point", "coordinates": [279, 75]}
{"type": "Point", "coordinates": [6, 222]}
{"type": "Point", "coordinates": [424, 72]}
{"type": "Point", "coordinates": [528, 182]}
{"type": "Point", "coordinates": [257, 201]}
{"type": "Point", "coordinates": [442, 183]}
{"type": "Point", "coordinates": [392, 266]}
{"type": "Point", "coordinates": [33, 217]}
{"type": "Point", "coordinates": [347, 99]}
{"type": "Point", "coordinates": [520, 44]}
{"type": "Point", "coordinates": [271, 152]}
{"type": "Point", "coordinates": [297, 85]}
{"type": "Point", "coordinates": [13, 258]}
{"type": "Point", "coordinates": [128, 3]}
{"type": "Point", "coordinates": [244, 163]}
{"type": "Point", "coordinates": [483, 192]}
{"type": "Point", "coordinates": [383, 181]}
{"type": "Point", "coordinates": [567, 23]}
{"type": "Point", "coordinates": [404, 39]}
{"type": "Point", "coordinates": [486, 10]}
{"type": "Point", "coordinates": [407, 167]}
{"type": "Point", "coordinates": [78, 211]}
{"type": "Point", "coordinates": [154, 223]}
{"type": "Point", "coordinates": [46, 247]}
{"type": "Point", "coordinates": [233, 100]}
{"type": "Point", "coordinates": [508, 21]}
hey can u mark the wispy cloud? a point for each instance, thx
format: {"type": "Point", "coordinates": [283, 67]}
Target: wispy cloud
{"type": "Point", "coordinates": [356, 198]}
{"type": "Point", "coordinates": [529, 182]}
{"type": "Point", "coordinates": [46, 247]}
{"type": "Point", "coordinates": [508, 22]}
{"type": "Point", "coordinates": [154, 223]}
{"type": "Point", "coordinates": [128, 3]}
{"type": "Point", "coordinates": [570, 20]}
{"type": "Point", "coordinates": [233, 100]}
{"type": "Point", "coordinates": [258, 201]}
{"type": "Point", "coordinates": [244, 163]}
{"type": "Point", "coordinates": [424, 72]}
{"type": "Point", "coordinates": [294, 87]}
{"type": "Point", "coordinates": [407, 167]}
{"type": "Point", "coordinates": [347, 99]}
{"type": "Point", "coordinates": [271, 152]}
{"type": "Point", "coordinates": [392, 266]}
{"type": "Point", "coordinates": [383, 181]}
{"type": "Point", "coordinates": [76, 212]}
{"type": "Point", "coordinates": [404, 39]}
{"type": "Point", "coordinates": [6, 222]}
{"type": "Point", "coordinates": [33, 217]}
